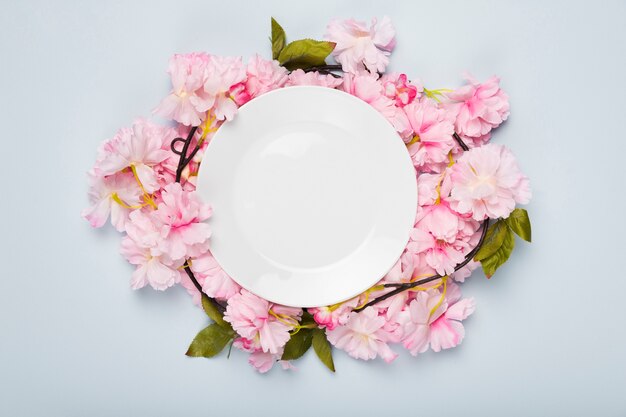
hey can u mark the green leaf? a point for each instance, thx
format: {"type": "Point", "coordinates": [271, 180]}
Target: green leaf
{"type": "Point", "coordinates": [211, 310]}
{"type": "Point", "coordinates": [493, 240]}
{"type": "Point", "coordinates": [305, 53]}
{"type": "Point", "coordinates": [210, 341]}
{"type": "Point", "coordinates": [323, 349]}
{"type": "Point", "coordinates": [299, 343]}
{"type": "Point", "coordinates": [278, 39]}
{"type": "Point", "coordinates": [500, 256]}
{"type": "Point", "coordinates": [519, 222]}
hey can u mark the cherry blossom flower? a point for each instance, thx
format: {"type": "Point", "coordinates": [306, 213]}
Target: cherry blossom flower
{"type": "Point", "coordinates": [402, 272]}
{"type": "Point", "coordinates": [359, 47]}
{"type": "Point", "coordinates": [223, 74]}
{"type": "Point", "coordinates": [363, 336]}
{"type": "Point", "coordinates": [115, 196]}
{"type": "Point", "coordinates": [432, 188]}
{"type": "Point", "coordinates": [181, 214]}
{"type": "Point", "coordinates": [442, 237]}
{"type": "Point", "coordinates": [440, 255]}
{"type": "Point", "coordinates": [368, 87]}
{"type": "Point", "coordinates": [159, 271]}
{"type": "Point", "coordinates": [435, 323]}
{"type": "Point", "coordinates": [188, 102]}
{"type": "Point", "coordinates": [252, 318]}
{"type": "Point", "coordinates": [261, 361]}
{"type": "Point", "coordinates": [478, 108]}
{"type": "Point", "coordinates": [465, 272]}
{"type": "Point", "coordinates": [139, 149]}
{"type": "Point", "coordinates": [487, 182]}
{"type": "Point", "coordinates": [214, 280]}
{"type": "Point", "coordinates": [299, 77]}
{"type": "Point", "coordinates": [264, 76]}
{"type": "Point", "coordinates": [332, 316]}
{"type": "Point", "coordinates": [432, 129]}
{"type": "Point", "coordinates": [398, 88]}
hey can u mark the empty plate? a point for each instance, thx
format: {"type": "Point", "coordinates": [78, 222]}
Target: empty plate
{"type": "Point", "coordinates": [313, 194]}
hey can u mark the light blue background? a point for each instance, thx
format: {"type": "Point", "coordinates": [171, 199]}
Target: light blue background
{"type": "Point", "coordinates": [548, 337]}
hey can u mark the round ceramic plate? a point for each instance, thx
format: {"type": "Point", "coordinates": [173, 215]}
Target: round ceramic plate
{"type": "Point", "coordinates": [313, 194]}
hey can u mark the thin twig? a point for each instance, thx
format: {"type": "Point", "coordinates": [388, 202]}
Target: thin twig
{"type": "Point", "coordinates": [460, 141]}
{"type": "Point", "coordinates": [326, 68]}
{"type": "Point", "coordinates": [183, 161]}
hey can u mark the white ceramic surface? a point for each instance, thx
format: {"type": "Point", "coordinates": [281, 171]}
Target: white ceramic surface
{"type": "Point", "coordinates": [314, 195]}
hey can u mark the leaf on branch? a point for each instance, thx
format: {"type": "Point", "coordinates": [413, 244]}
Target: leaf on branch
{"type": "Point", "coordinates": [214, 314]}
{"type": "Point", "coordinates": [278, 39]}
{"type": "Point", "coordinates": [210, 341]}
{"type": "Point", "coordinates": [519, 222]}
{"type": "Point", "coordinates": [493, 240]}
{"type": "Point", "coordinates": [297, 345]}
{"type": "Point", "coordinates": [323, 349]}
{"type": "Point", "coordinates": [501, 255]}
{"type": "Point", "coordinates": [305, 53]}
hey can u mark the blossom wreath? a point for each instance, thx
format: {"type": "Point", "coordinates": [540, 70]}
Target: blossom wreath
{"type": "Point", "coordinates": [144, 181]}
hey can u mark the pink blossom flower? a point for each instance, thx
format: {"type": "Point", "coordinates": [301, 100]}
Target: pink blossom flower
{"type": "Point", "coordinates": [487, 182]}
{"type": "Point", "coordinates": [157, 270]}
{"type": "Point", "coordinates": [188, 102]}
{"type": "Point", "coordinates": [144, 229]}
{"type": "Point", "coordinates": [181, 214]}
{"type": "Point", "coordinates": [398, 88]}
{"type": "Point", "coordinates": [333, 316]}
{"type": "Point", "coordinates": [359, 47]}
{"type": "Point", "coordinates": [214, 280]}
{"type": "Point", "coordinates": [299, 77]}
{"type": "Point", "coordinates": [223, 75]}
{"type": "Point", "coordinates": [261, 361]}
{"type": "Point", "coordinates": [363, 336]}
{"type": "Point", "coordinates": [139, 148]}
{"type": "Point", "coordinates": [369, 88]}
{"type": "Point", "coordinates": [432, 133]}
{"type": "Point", "coordinates": [478, 108]}
{"type": "Point", "coordinates": [403, 271]}
{"type": "Point", "coordinates": [465, 272]}
{"type": "Point", "coordinates": [264, 76]}
{"type": "Point", "coordinates": [239, 94]}
{"type": "Point", "coordinates": [442, 237]}
{"type": "Point", "coordinates": [251, 318]}
{"type": "Point", "coordinates": [439, 329]}
{"type": "Point", "coordinates": [113, 196]}
{"type": "Point", "coordinates": [440, 255]}
{"type": "Point", "coordinates": [433, 187]}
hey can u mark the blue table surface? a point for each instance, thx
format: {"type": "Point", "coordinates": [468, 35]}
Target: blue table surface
{"type": "Point", "coordinates": [548, 336]}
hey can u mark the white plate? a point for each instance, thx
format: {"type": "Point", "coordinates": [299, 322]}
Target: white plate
{"type": "Point", "coordinates": [313, 194]}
